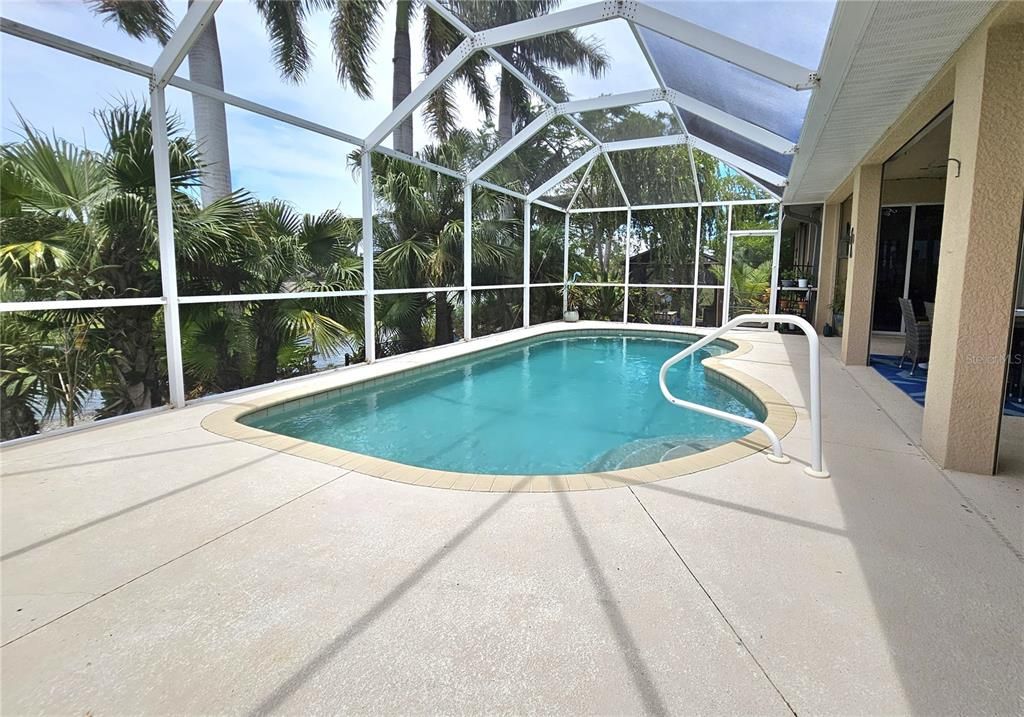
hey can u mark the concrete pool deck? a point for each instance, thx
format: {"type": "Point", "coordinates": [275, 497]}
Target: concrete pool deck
{"type": "Point", "coordinates": [151, 566]}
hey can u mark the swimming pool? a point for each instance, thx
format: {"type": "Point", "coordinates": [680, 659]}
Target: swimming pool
{"type": "Point", "coordinates": [557, 404]}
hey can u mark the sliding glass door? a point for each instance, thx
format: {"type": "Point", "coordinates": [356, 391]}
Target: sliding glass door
{"type": "Point", "coordinates": [908, 261]}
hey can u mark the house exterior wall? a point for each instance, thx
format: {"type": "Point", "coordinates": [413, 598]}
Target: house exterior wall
{"type": "Point", "coordinates": [827, 266]}
{"type": "Point", "coordinates": [980, 240]}
{"type": "Point", "coordinates": [860, 278]}
{"type": "Point", "coordinates": [978, 271]}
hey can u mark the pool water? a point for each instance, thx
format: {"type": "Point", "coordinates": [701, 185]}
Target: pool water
{"type": "Point", "coordinates": [549, 406]}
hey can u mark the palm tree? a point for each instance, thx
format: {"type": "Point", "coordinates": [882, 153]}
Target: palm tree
{"type": "Point", "coordinates": [354, 30]}
{"type": "Point", "coordinates": [285, 23]}
{"type": "Point", "coordinates": [419, 233]}
{"type": "Point", "coordinates": [234, 344]}
{"type": "Point", "coordinates": [82, 225]}
{"type": "Point", "coordinates": [537, 58]}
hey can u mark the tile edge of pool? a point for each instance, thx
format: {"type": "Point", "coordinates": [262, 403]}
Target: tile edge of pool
{"type": "Point", "coordinates": [780, 416]}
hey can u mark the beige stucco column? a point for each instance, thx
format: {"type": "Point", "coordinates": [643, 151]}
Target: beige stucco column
{"type": "Point", "coordinates": [860, 273]}
{"type": "Point", "coordinates": [981, 232]}
{"type": "Point", "coordinates": [827, 265]}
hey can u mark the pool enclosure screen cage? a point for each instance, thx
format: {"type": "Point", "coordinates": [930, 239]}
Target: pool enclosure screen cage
{"type": "Point", "coordinates": [659, 205]}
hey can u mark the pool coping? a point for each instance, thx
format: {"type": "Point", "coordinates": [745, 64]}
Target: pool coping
{"type": "Point", "coordinates": [780, 417]}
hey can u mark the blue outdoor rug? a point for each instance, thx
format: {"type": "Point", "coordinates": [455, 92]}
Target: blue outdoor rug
{"type": "Point", "coordinates": [914, 385]}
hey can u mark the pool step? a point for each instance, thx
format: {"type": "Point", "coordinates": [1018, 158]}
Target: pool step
{"type": "Point", "coordinates": [651, 450]}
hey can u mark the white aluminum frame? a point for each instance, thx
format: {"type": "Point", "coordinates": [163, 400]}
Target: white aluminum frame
{"type": "Point", "coordinates": [168, 263]}
{"type": "Point", "coordinates": [672, 97]}
{"type": "Point", "coordinates": [637, 14]}
{"type": "Point", "coordinates": [721, 46]}
{"type": "Point", "coordinates": [695, 286]}
{"type": "Point", "coordinates": [197, 17]}
{"type": "Point", "coordinates": [647, 143]}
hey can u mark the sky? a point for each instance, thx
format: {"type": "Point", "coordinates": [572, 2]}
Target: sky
{"type": "Point", "coordinates": [57, 92]}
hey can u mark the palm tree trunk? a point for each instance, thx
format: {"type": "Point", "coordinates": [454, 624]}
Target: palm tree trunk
{"type": "Point", "coordinates": [16, 418]}
{"type": "Point", "coordinates": [402, 80]}
{"type": "Point", "coordinates": [130, 334]}
{"type": "Point", "coordinates": [266, 360]}
{"type": "Point", "coordinates": [229, 367]}
{"type": "Point", "coordinates": [443, 333]}
{"type": "Point", "coordinates": [204, 67]}
{"type": "Point", "coordinates": [506, 128]}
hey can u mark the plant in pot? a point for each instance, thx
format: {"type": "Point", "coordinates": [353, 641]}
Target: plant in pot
{"type": "Point", "coordinates": [803, 278]}
{"type": "Point", "coordinates": [788, 278]}
{"type": "Point", "coordinates": [572, 299]}
{"type": "Point", "coordinates": [836, 307]}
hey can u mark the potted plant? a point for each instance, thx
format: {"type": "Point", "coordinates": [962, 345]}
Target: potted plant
{"type": "Point", "coordinates": [788, 278]}
{"type": "Point", "coordinates": [572, 296]}
{"type": "Point", "coordinates": [836, 307]}
{"type": "Point", "coordinates": [802, 278]}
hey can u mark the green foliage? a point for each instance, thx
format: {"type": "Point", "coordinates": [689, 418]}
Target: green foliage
{"type": "Point", "coordinates": [418, 234]}
{"type": "Point", "coordinates": [80, 224]}
{"type": "Point", "coordinates": [232, 345]}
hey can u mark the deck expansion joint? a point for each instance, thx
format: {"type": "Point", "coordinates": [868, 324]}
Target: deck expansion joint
{"type": "Point", "coordinates": [732, 628]}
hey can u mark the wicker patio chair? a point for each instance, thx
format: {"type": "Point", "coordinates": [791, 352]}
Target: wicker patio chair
{"type": "Point", "coordinates": [918, 336]}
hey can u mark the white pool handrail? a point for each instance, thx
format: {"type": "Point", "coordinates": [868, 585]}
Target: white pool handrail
{"type": "Point", "coordinates": [816, 468]}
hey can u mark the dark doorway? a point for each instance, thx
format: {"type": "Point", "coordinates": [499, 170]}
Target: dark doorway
{"type": "Point", "coordinates": [908, 261]}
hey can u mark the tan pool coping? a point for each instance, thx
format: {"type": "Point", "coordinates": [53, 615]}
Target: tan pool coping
{"type": "Point", "coordinates": [780, 417]}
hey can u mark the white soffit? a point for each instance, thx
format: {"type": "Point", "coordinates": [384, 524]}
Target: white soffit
{"type": "Point", "coordinates": [897, 47]}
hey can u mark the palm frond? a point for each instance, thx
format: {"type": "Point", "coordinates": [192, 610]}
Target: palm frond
{"type": "Point", "coordinates": [285, 24]}
{"type": "Point", "coordinates": [48, 174]}
{"type": "Point", "coordinates": [138, 18]}
{"type": "Point", "coordinates": [354, 30]}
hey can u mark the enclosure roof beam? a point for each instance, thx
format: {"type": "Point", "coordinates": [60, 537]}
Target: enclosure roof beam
{"type": "Point", "coordinates": [701, 38]}
{"type": "Point", "coordinates": [547, 205]}
{"type": "Point", "coordinates": [430, 84]}
{"type": "Point", "coordinates": [257, 108]}
{"type": "Point", "coordinates": [615, 176]}
{"type": "Point", "coordinates": [761, 183]}
{"type": "Point", "coordinates": [737, 162]}
{"type": "Point", "coordinates": [607, 102]}
{"type": "Point", "coordinates": [198, 16]}
{"type": "Point", "coordinates": [749, 130]}
{"type": "Point", "coordinates": [579, 187]}
{"type": "Point", "coordinates": [514, 143]}
{"type": "Point", "coordinates": [420, 162]}
{"type": "Point", "coordinates": [501, 190]}
{"type": "Point", "coordinates": [644, 143]}
{"type": "Point", "coordinates": [742, 165]}
{"type": "Point", "coordinates": [48, 39]}
{"type": "Point", "coordinates": [741, 127]}
{"type": "Point", "coordinates": [567, 172]}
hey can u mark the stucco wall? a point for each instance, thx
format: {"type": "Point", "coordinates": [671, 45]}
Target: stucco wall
{"type": "Point", "coordinates": [980, 240]}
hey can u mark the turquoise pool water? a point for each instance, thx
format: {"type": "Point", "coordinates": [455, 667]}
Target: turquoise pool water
{"type": "Point", "coordinates": [553, 405]}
